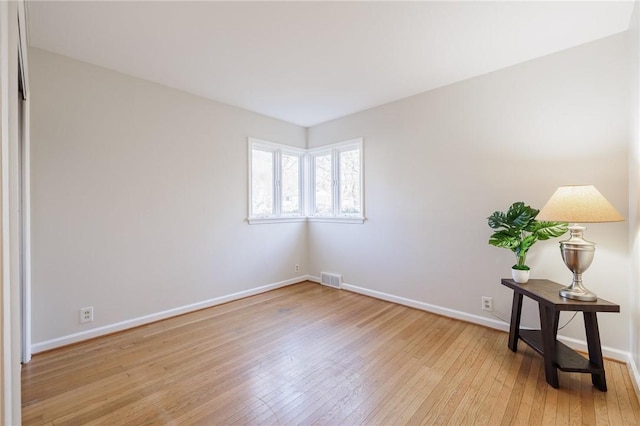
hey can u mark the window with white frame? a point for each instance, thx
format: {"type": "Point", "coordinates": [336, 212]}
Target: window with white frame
{"type": "Point", "coordinates": [336, 182]}
{"type": "Point", "coordinates": [291, 184]}
{"type": "Point", "coordinates": [276, 182]}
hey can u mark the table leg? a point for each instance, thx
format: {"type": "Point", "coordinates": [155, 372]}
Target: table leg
{"type": "Point", "coordinates": [595, 350]}
{"type": "Point", "coordinates": [514, 328]}
{"type": "Point", "coordinates": [548, 328]}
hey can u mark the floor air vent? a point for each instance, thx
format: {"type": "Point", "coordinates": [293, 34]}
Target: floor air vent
{"type": "Point", "coordinates": [332, 280]}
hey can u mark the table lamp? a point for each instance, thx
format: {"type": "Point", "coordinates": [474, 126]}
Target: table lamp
{"type": "Point", "coordinates": [578, 204]}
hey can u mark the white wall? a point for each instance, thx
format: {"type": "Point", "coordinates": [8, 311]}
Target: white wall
{"type": "Point", "coordinates": [139, 200]}
{"type": "Point", "coordinates": [437, 164]}
{"type": "Point", "coordinates": [634, 189]}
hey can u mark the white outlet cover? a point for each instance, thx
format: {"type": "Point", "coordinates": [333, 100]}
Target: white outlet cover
{"type": "Point", "coordinates": [86, 315]}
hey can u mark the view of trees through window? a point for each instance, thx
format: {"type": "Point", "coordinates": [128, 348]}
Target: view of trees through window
{"type": "Point", "coordinates": [290, 184]}
{"type": "Point", "coordinates": [262, 182]}
{"type": "Point", "coordinates": [349, 166]}
{"type": "Point", "coordinates": [323, 182]}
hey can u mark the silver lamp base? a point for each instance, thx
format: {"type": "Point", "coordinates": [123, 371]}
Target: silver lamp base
{"type": "Point", "coordinates": [576, 291]}
{"type": "Point", "coordinates": [577, 254]}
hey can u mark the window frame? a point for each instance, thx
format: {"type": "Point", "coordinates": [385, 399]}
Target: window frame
{"type": "Point", "coordinates": [335, 150]}
{"type": "Point", "coordinates": [306, 182]}
{"type": "Point", "coordinates": [277, 150]}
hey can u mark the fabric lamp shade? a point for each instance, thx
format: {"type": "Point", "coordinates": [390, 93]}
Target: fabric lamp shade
{"type": "Point", "coordinates": [579, 204]}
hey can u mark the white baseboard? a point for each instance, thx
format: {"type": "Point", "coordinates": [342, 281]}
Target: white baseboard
{"type": "Point", "coordinates": [146, 319]}
{"type": "Point", "coordinates": [575, 344]}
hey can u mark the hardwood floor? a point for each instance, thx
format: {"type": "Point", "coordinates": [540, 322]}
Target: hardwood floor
{"type": "Point", "coordinates": [308, 354]}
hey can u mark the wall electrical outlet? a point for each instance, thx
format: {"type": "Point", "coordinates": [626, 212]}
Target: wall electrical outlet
{"type": "Point", "coordinates": [297, 268]}
{"type": "Point", "coordinates": [86, 314]}
{"type": "Point", "coordinates": [487, 303]}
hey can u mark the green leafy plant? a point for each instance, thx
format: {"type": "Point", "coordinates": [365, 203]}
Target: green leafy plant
{"type": "Point", "coordinates": [518, 230]}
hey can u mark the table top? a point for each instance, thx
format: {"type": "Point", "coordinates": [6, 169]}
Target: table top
{"type": "Point", "coordinates": [547, 292]}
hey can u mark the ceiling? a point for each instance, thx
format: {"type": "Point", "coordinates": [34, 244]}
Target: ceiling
{"type": "Point", "coordinates": [310, 62]}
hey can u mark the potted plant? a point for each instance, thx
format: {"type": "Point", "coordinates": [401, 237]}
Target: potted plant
{"type": "Point", "coordinates": [518, 230]}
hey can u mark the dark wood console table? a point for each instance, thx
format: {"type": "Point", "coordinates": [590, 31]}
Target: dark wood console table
{"type": "Point", "coordinates": [556, 354]}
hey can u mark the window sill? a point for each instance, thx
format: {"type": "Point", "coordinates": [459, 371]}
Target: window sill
{"type": "Point", "coordinates": [267, 220]}
{"type": "Point", "coordinates": [337, 219]}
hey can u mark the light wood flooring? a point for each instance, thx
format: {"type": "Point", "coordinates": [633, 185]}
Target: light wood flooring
{"type": "Point", "coordinates": [308, 354]}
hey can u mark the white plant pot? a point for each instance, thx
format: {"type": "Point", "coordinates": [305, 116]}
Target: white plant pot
{"type": "Point", "coordinates": [519, 276]}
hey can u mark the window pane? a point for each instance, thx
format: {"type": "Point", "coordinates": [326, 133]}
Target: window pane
{"type": "Point", "coordinates": [350, 182]}
{"type": "Point", "coordinates": [261, 182]}
{"type": "Point", "coordinates": [290, 184]}
{"type": "Point", "coordinates": [322, 173]}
